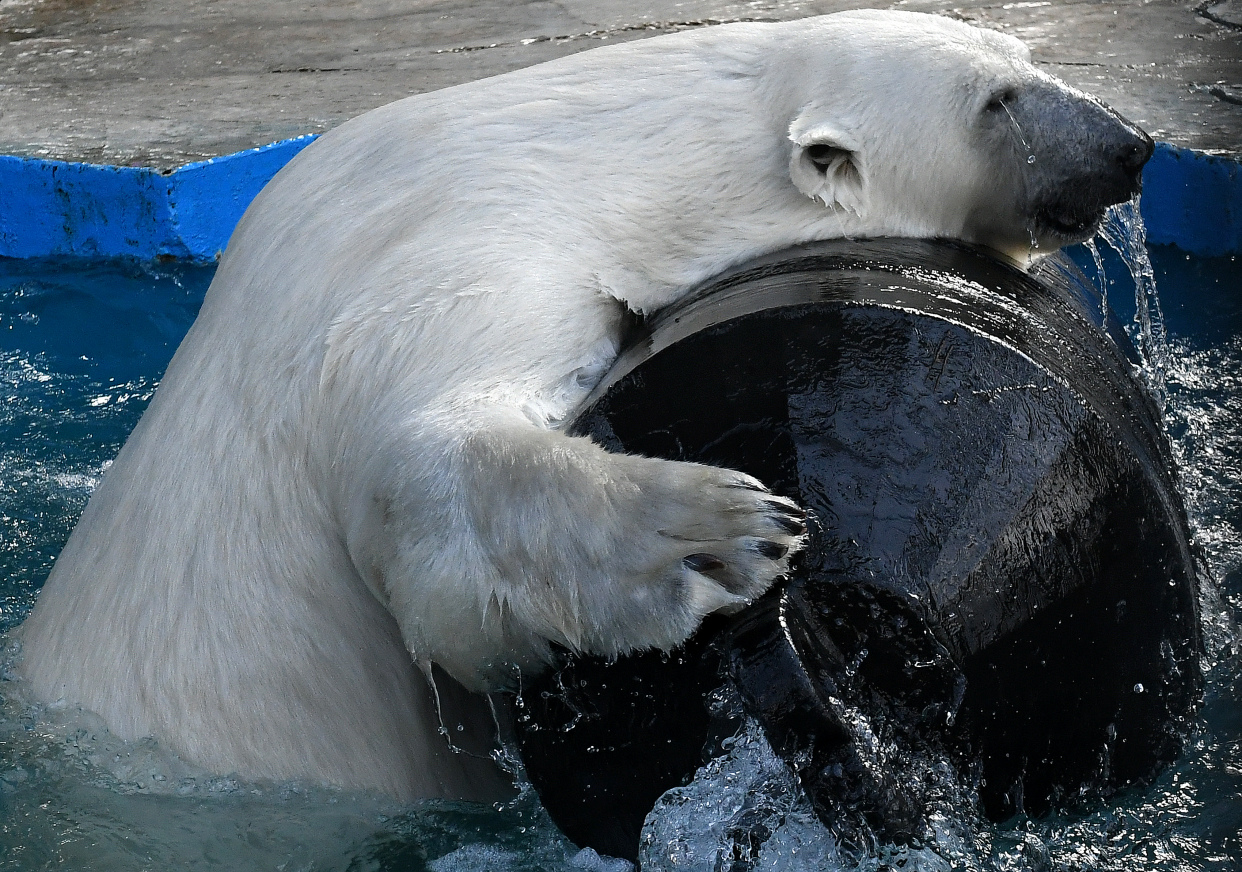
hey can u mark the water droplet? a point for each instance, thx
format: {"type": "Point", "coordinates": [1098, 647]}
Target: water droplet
{"type": "Point", "coordinates": [1030, 158]}
{"type": "Point", "coordinates": [1138, 688]}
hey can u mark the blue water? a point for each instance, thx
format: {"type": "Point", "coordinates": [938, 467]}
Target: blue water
{"type": "Point", "coordinates": [82, 347]}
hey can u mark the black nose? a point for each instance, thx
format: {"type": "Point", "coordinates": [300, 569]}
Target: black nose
{"type": "Point", "coordinates": [1134, 154]}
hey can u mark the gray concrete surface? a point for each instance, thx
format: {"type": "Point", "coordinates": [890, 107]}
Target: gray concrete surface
{"type": "Point", "coordinates": [162, 82]}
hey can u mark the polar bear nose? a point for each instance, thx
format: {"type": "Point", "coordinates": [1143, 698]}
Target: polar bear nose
{"type": "Point", "coordinates": [1084, 157]}
{"type": "Point", "coordinates": [1120, 149]}
{"type": "Point", "coordinates": [1129, 149]}
{"type": "Point", "coordinates": [1134, 156]}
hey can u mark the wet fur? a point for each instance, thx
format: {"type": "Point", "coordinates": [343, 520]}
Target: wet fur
{"type": "Point", "coordinates": [353, 466]}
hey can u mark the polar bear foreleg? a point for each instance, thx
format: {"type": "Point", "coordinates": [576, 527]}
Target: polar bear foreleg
{"type": "Point", "coordinates": [543, 537]}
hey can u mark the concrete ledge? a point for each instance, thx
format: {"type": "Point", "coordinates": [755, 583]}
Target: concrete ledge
{"type": "Point", "coordinates": [56, 208]}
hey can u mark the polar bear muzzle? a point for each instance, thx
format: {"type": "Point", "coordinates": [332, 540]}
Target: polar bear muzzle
{"type": "Point", "coordinates": [1081, 157]}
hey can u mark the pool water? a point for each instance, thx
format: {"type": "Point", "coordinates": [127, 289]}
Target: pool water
{"type": "Point", "coordinates": [82, 347]}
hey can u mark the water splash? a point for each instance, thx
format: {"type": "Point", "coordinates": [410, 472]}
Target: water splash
{"type": "Point", "coordinates": [746, 811]}
{"type": "Point", "coordinates": [1124, 232]}
{"type": "Point", "coordinates": [1205, 404]}
{"type": "Point", "coordinates": [1101, 281]}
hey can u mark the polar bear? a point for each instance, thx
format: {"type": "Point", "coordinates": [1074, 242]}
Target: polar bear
{"type": "Point", "coordinates": [354, 478]}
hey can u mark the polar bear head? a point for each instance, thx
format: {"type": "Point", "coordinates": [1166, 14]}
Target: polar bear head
{"type": "Point", "coordinates": [918, 125]}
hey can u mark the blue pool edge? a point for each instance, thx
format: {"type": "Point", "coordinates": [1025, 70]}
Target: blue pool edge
{"type": "Point", "coordinates": [57, 208]}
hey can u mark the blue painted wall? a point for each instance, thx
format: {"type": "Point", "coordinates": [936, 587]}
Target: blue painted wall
{"type": "Point", "coordinates": [58, 208]}
{"type": "Point", "coordinates": [1193, 201]}
{"type": "Point", "coordinates": [1190, 200]}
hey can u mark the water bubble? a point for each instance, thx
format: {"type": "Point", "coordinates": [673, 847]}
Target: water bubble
{"type": "Point", "coordinates": [1138, 688]}
{"type": "Point", "coordinates": [1030, 158]}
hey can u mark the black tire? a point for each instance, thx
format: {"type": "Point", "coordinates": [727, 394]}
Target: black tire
{"type": "Point", "coordinates": [999, 567]}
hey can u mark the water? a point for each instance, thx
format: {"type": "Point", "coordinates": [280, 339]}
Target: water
{"type": "Point", "coordinates": [1125, 234]}
{"type": "Point", "coordinates": [81, 349]}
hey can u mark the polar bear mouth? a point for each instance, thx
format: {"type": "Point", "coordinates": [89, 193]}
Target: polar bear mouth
{"type": "Point", "coordinates": [1069, 224]}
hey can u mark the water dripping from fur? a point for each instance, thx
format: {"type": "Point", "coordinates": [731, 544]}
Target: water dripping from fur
{"type": "Point", "coordinates": [1100, 279]}
{"type": "Point", "coordinates": [1030, 159]}
{"type": "Point", "coordinates": [425, 666]}
{"type": "Point", "coordinates": [1030, 154]}
{"type": "Point", "coordinates": [1124, 232]}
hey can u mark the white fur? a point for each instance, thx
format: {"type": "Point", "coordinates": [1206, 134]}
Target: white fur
{"type": "Point", "coordinates": [353, 463]}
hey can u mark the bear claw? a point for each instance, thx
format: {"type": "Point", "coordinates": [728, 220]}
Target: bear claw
{"type": "Point", "coordinates": [770, 550]}
{"type": "Point", "coordinates": [703, 563]}
{"type": "Point", "coordinates": [792, 526]}
{"type": "Point", "coordinates": [786, 508]}
{"type": "Point", "coordinates": [747, 484]}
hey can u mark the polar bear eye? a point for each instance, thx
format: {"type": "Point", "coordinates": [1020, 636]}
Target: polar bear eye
{"type": "Point", "coordinates": [1000, 100]}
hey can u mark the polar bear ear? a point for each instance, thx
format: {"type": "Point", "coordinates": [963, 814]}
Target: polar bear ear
{"type": "Point", "coordinates": [825, 166]}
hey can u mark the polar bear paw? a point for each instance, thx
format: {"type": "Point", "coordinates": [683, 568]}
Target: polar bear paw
{"type": "Point", "coordinates": [598, 552]}
{"type": "Point", "coordinates": [695, 540]}
{"type": "Point", "coordinates": [760, 531]}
